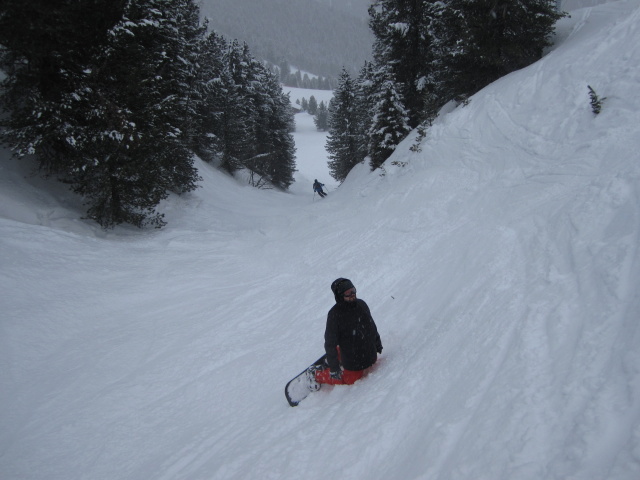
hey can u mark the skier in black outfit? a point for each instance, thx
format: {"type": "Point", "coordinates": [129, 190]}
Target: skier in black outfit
{"type": "Point", "coordinates": [351, 338]}
{"type": "Point", "coordinates": [317, 187]}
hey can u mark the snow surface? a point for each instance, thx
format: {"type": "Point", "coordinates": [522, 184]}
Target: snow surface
{"type": "Point", "coordinates": [501, 264]}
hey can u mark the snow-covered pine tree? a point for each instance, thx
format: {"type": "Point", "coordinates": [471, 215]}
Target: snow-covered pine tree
{"type": "Point", "coordinates": [111, 120]}
{"type": "Point", "coordinates": [403, 41]}
{"type": "Point", "coordinates": [138, 154]}
{"type": "Point", "coordinates": [212, 97]}
{"type": "Point", "coordinates": [321, 117]}
{"type": "Point", "coordinates": [114, 96]}
{"type": "Point", "coordinates": [273, 162]}
{"type": "Point", "coordinates": [46, 48]}
{"type": "Point", "coordinates": [389, 124]}
{"type": "Point", "coordinates": [306, 81]}
{"type": "Point", "coordinates": [313, 105]}
{"type": "Point", "coordinates": [342, 141]}
{"type": "Point", "coordinates": [595, 100]}
{"type": "Point", "coordinates": [285, 71]}
{"type": "Point", "coordinates": [279, 142]}
{"type": "Point", "coordinates": [183, 53]}
{"type": "Point", "coordinates": [258, 131]}
{"type": "Point", "coordinates": [240, 140]}
{"type": "Point", "coordinates": [483, 40]}
{"type": "Point", "coordinates": [182, 35]}
{"type": "Point", "coordinates": [367, 87]}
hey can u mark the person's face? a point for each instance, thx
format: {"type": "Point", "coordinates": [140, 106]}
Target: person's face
{"type": "Point", "coordinates": [350, 295]}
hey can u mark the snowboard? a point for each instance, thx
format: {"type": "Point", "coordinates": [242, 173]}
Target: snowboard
{"type": "Point", "coordinates": [300, 386]}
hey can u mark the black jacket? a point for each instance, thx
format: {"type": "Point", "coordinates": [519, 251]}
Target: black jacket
{"type": "Point", "coordinates": [351, 327]}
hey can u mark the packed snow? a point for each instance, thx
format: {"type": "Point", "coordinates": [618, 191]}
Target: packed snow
{"type": "Point", "coordinates": [499, 258]}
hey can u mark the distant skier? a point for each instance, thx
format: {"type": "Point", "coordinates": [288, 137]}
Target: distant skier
{"type": "Point", "coordinates": [351, 338]}
{"type": "Point", "coordinates": [317, 187]}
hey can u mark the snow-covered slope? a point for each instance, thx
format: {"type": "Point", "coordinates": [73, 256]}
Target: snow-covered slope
{"type": "Point", "coordinates": [500, 262]}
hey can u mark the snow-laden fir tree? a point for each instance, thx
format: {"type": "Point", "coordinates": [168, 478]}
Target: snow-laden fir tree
{"type": "Point", "coordinates": [368, 84]}
{"type": "Point", "coordinates": [46, 50]}
{"type": "Point", "coordinates": [440, 50]}
{"type": "Point", "coordinates": [480, 41]}
{"type": "Point", "coordinates": [140, 150]}
{"type": "Point", "coordinates": [313, 105]}
{"type": "Point", "coordinates": [113, 97]}
{"type": "Point", "coordinates": [321, 117]}
{"type": "Point", "coordinates": [114, 126]}
{"type": "Point", "coordinates": [271, 158]}
{"type": "Point", "coordinates": [389, 123]}
{"type": "Point", "coordinates": [343, 144]}
{"type": "Point", "coordinates": [403, 42]}
{"type": "Point", "coordinates": [274, 160]}
{"type": "Point", "coordinates": [245, 117]}
{"type": "Point", "coordinates": [212, 99]}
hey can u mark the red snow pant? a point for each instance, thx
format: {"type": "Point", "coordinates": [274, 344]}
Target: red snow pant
{"type": "Point", "coordinates": [348, 376]}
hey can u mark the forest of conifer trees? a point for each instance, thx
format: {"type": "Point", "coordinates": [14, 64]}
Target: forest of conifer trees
{"type": "Point", "coordinates": [427, 53]}
{"type": "Point", "coordinates": [113, 98]}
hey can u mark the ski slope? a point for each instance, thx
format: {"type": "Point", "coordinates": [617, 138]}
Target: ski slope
{"type": "Point", "coordinates": [500, 263]}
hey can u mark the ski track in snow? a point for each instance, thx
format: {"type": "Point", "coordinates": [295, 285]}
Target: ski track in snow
{"type": "Point", "coordinates": [501, 265]}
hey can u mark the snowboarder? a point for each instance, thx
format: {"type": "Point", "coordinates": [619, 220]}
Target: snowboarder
{"type": "Point", "coordinates": [351, 338]}
{"type": "Point", "coordinates": [317, 187]}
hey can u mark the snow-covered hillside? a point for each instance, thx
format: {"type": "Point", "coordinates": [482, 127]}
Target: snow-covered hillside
{"type": "Point", "coordinates": [500, 263]}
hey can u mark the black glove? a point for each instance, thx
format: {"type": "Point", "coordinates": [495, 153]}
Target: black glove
{"type": "Point", "coordinates": [379, 348]}
{"type": "Point", "coordinates": [336, 375]}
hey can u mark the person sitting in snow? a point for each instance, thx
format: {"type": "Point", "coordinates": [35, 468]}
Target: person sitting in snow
{"type": "Point", "coordinates": [351, 338]}
{"type": "Point", "coordinates": [317, 187]}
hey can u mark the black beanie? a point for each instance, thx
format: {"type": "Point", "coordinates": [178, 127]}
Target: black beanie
{"type": "Point", "coordinates": [339, 286]}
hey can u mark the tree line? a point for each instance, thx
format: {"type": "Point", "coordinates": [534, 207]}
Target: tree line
{"type": "Point", "coordinates": [298, 80]}
{"type": "Point", "coordinates": [114, 98]}
{"type": "Point", "coordinates": [427, 53]}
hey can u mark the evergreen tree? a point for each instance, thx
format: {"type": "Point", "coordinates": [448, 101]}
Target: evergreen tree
{"type": "Point", "coordinates": [483, 40]}
{"type": "Point", "coordinates": [450, 49]}
{"type": "Point", "coordinates": [403, 41]}
{"type": "Point", "coordinates": [180, 71]}
{"type": "Point", "coordinates": [342, 141]}
{"type": "Point", "coordinates": [113, 96]}
{"type": "Point", "coordinates": [313, 105]}
{"type": "Point", "coordinates": [280, 144]}
{"type": "Point", "coordinates": [111, 121]}
{"type": "Point", "coordinates": [134, 151]}
{"type": "Point", "coordinates": [389, 125]}
{"type": "Point", "coordinates": [261, 140]}
{"type": "Point", "coordinates": [44, 50]}
{"type": "Point", "coordinates": [321, 117]}
{"type": "Point", "coordinates": [274, 159]}
{"type": "Point", "coordinates": [240, 142]}
{"type": "Point", "coordinates": [285, 71]}
{"type": "Point", "coordinates": [214, 102]}
{"type": "Point", "coordinates": [292, 81]}
{"type": "Point", "coordinates": [368, 85]}
{"type": "Point", "coordinates": [306, 82]}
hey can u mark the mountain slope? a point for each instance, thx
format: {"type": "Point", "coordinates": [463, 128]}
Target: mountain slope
{"type": "Point", "coordinates": [500, 262]}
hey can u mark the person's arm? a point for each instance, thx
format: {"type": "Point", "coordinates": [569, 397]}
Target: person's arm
{"type": "Point", "coordinates": [378, 341]}
{"type": "Point", "coordinates": [331, 343]}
